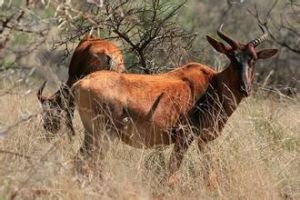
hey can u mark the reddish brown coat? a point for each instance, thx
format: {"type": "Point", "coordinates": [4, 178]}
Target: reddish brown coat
{"type": "Point", "coordinates": [92, 54]}
{"type": "Point", "coordinates": [132, 95]}
{"type": "Point", "coordinates": [192, 102]}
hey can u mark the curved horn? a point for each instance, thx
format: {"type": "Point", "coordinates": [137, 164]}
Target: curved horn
{"type": "Point", "coordinates": [225, 37]}
{"type": "Point", "coordinates": [91, 31]}
{"type": "Point", "coordinates": [257, 41]}
{"type": "Point", "coordinates": [40, 96]}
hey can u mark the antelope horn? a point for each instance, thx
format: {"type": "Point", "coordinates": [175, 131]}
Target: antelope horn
{"type": "Point", "coordinates": [257, 41]}
{"type": "Point", "coordinates": [40, 96]}
{"type": "Point", "coordinates": [225, 37]}
{"type": "Point", "coordinates": [91, 31]}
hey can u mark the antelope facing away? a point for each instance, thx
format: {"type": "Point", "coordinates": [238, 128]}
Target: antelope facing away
{"type": "Point", "coordinates": [92, 54]}
{"type": "Point", "coordinates": [190, 103]}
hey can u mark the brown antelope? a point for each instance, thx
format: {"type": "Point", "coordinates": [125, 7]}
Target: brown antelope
{"type": "Point", "coordinates": [155, 110]}
{"type": "Point", "coordinates": [92, 54]}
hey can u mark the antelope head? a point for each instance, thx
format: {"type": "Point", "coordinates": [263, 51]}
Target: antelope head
{"type": "Point", "coordinates": [242, 58]}
{"type": "Point", "coordinates": [51, 111]}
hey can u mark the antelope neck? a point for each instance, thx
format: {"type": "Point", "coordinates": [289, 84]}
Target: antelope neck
{"type": "Point", "coordinates": [227, 88]}
{"type": "Point", "coordinates": [213, 109]}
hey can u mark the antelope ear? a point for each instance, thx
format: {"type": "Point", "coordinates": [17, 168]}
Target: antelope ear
{"type": "Point", "coordinates": [39, 94]}
{"type": "Point", "coordinates": [219, 46]}
{"type": "Point", "coordinates": [266, 53]}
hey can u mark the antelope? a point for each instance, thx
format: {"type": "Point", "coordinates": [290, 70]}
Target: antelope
{"type": "Point", "coordinates": [92, 54]}
{"type": "Point", "coordinates": [190, 103]}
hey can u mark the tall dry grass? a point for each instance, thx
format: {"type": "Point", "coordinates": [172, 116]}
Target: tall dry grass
{"type": "Point", "coordinates": [257, 157]}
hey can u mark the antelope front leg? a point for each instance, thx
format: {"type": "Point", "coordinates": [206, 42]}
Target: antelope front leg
{"type": "Point", "coordinates": [176, 157]}
{"type": "Point", "coordinates": [180, 147]}
{"type": "Point", "coordinates": [208, 172]}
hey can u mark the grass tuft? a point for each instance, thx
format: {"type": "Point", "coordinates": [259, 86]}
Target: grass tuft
{"type": "Point", "coordinates": [256, 157]}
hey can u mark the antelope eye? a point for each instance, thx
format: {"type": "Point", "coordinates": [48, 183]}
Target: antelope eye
{"type": "Point", "coordinates": [252, 61]}
{"type": "Point", "coordinates": [232, 54]}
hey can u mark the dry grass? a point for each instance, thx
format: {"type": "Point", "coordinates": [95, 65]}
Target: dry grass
{"type": "Point", "coordinates": [257, 157]}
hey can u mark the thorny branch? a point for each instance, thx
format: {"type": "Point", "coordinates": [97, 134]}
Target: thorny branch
{"type": "Point", "coordinates": [288, 40]}
{"type": "Point", "coordinates": [144, 29]}
{"type": "Point", "coordinates": [13, 23]}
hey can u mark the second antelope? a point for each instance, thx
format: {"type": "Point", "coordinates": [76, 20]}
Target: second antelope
{"type": "Point", "coordinates": [92, 54]}
{"type": "Point", "coordinates": [154, 110]}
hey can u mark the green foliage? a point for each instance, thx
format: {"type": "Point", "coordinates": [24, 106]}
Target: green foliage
{"type": "Point", "coordinates": [22, 39]}
{"type": "Point", "coordinates": [160, 29]}
{"type": "Point", "coordinates": [7, 63]}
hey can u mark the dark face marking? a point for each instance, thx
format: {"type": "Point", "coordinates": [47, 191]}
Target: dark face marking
{"type": "Point", "coordinates": [242, 57]}
{"type": "Point", "coordinates": [243, 62]}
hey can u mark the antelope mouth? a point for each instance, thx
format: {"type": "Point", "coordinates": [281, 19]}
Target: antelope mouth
{"type": "Point", "coordinates": [246, 90]}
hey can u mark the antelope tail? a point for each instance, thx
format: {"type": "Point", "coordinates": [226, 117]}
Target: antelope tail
{"type": "Point", "coordinates": [153, 107]}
